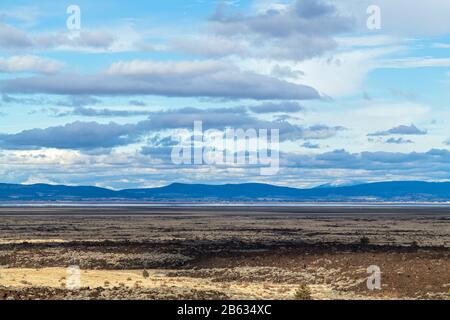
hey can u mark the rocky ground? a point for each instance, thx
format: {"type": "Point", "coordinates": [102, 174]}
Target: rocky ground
{"type": "Point", "coordinates": [238, 254]}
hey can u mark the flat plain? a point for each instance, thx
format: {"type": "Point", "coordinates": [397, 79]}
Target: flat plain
{"type": "Point", "coordinates": [224, 252]}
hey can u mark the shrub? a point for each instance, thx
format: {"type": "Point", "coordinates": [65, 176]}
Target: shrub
{"type": "Point", "coordinates": [364, 241]}
{"type": "Point", "coordinates": [303, 293]}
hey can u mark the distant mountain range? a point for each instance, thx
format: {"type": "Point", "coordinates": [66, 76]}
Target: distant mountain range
{"type": "Point", "coordinates": [401, 191]}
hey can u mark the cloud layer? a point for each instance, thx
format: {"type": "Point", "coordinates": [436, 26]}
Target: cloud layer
{"type": "Point", "coordinates": [298, 30]}
{"type": "Point", "coordinates": [91, 135]}
{"type": "Point", "coordinates": [172, 79]}
{"type": "Point", "coordinates": [400, 130]}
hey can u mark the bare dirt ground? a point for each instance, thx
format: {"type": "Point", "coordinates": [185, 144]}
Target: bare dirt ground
{"type": "Point", "coordinates": [224, 253]}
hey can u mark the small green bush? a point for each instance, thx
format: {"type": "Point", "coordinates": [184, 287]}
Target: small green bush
{"type": "Point", "coordinates": [303, 293]}
{"type": "Point", "coordinates": [364, 241]}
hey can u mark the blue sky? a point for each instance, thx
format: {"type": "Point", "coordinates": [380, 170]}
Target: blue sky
{"type": "Point", "coordinates": [101, 106]}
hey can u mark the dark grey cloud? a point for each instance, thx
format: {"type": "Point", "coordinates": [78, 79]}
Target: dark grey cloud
{"type": "Point", "coordinates": [310, 145]}
{"type": "Point", "coordinates": [159, 147]}
{"type": "Point", "coordinates": [24, 101]}
{"type": "Point", "coordinates": [400, 130]}
{"type": "Point", "coordinates": [286, 72]}
{"type": "Point", "coordinates": [298, 30]}
{"type": "Point", "coordinates": [137, 103]}
{"type": "Point", "coordinates": [301, 17]}
{"type": "Point", "coordinates": [159, 141]}
{"type": "Point", "coordinates": [399, 141]}
{"type": "Point", "coordinates": [217, 118]}
{"type": "Point", "coordinates": [92, 135]}
{"type": "Point", "coordinates": [313, 8]}
{"type": "Point", "coordinates": [79, 101]}
{"type": "Point", "coordinates": [285, 107]}
{"type": "Point", "coordinates": [177, 79]}
{"type": "Point", "coordinates": [221, 118]}
{"type": "Point", "coordinates": [285, 117]}
{"type": "Point", "coordinates": [103, 112]}
{"type": "Point", "coordinates": [77, 135]}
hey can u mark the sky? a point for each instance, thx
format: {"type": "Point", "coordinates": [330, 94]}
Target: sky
{"type": "Point", "coordinates": [358, 89]}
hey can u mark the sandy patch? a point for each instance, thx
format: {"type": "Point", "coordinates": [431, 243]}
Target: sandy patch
{"type": "Point", "coordinates": [157, 280]}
